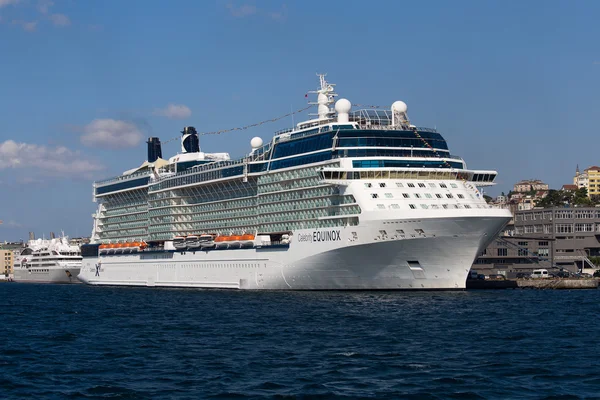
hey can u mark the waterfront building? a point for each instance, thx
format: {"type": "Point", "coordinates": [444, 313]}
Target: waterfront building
{"type": "Point", "coordinates": [6, 264]}
{"type": "Point", "coordinates": [563, 237]}
{"type": "Point", "coordinates": [509, 255]}
{"type": "Point", "coordinates": [574, 230]}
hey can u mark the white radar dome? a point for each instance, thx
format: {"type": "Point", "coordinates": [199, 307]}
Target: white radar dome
{"type": "Point", "coordinates": [343, 106]}
{"type": "Point", "coordinates": [399, 106]}
{"type": "Point", "coordinates": [256, 142]}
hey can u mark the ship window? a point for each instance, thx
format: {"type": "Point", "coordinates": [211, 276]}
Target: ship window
{"type": "Point", "coordinates": [374, 195]}
{"type": "Point", "coordinates": [389, 195]}
{"type": "Point", "coordinates": [428, 195]}
{"type": "Point", "coordinates": [382, 184]}
{"type": "Point", "coordinates": [453, 185]}
{"type": "Point", "coordinates": [424, 206]}
{"type": "Point", "coordinates": [445, 205]}
{"type": "Point", "coordinates": [432, 185]}
{"type": "Point", "coordinates": [449, 195]}
{"type": "Point", "coordinates": [411, 185]}
{"type": "Point", "coordinates": [399, 184]}
{"type": "Point", "coordinates": [406, 195]}
{"type": "Point", "coordinates": [412, 206]}
{"type": "Point", "coordinates": [460, 196]}
{"type": "Point", "coordinates": [395, 206]}
{"type": "Point", "coordinates": [367, 184]}
{"type": "Point", "coordinates": [421, 185]}
{"type": "Point", "coordinates": [417, 195]}
{"type": "Point", "coordinates": [443, 185]}
{"type": "Point", "coordinates": [467, 206]}
{"type": "Point", "coordinates": [439, 196]}
{"type": "Point", "coordinates": [381, 206]}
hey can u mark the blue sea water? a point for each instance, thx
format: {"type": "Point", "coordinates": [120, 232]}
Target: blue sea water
{"type": "Point", "coordinates": [61, 341]}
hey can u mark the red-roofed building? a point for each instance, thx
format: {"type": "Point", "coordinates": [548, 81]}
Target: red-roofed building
{"type": "Point", "coordinates": [570, 188]}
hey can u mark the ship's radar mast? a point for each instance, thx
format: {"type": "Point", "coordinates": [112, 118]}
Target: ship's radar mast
{"type": "Point", "coordinates": [325, 98]}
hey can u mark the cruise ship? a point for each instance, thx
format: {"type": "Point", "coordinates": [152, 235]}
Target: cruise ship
{"type": "Point", "coordinates": [352, 199]}
{"type": "Point", "coordinates": [51, 260]}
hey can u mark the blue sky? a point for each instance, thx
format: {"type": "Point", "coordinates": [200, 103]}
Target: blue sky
{"type": "Point", "coordinates": [513, 86]}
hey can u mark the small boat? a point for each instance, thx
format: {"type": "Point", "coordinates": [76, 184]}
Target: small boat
{"type": "Point", "coordinates": [247, 240]}
{"type": "Point", "coordinates": [179, 243]}
{"type": "Point", "coordinates": [222, 242]}
{"type": "Point", "coordinates": [235, 241]}
{"type": "Point", "coordinates": [207, 240]}
{"type": "Point", "coordinates": [192, 242]}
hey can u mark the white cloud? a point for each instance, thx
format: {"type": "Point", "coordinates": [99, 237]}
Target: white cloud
{"type": "Point", "coordinates": [174, 111]}
{"type": "Point", "coordinates": [111, 134]}
{"type": "Point", "coordinates": [242, 11]}
{"type": "Point", "coordinates": [45, 159]}
{"type": "Point", "coordinates": [44, 6]}
{"type": "Point", "coordinates": [30, 26]}
{"type": "Point", "coordinates": [279, 15]}
{"type": "Point", "coordinates": [60, 20]}
{"type": "Point", "coordinates": [4, 3]}
{"type": "Point", "coordinates": [27, 26]}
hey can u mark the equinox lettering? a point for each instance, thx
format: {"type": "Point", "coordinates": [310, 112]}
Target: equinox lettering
{"type": "Point", "coordinates": [326, 236]}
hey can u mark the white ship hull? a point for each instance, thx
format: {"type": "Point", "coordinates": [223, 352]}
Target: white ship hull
{"type": "Point", "coordinates": [354, 257]}
{"type": "Point", "coordinates": [49, 275]}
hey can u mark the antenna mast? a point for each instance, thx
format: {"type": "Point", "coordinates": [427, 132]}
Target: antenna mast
{"type": "Point", "coordinates": [325, 97]}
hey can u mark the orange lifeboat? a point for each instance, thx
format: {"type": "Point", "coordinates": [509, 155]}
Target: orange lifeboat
{"type": "Point", "coordinates": [103, 246]}
{"type": "Point", "coordinates": [247, 240]}
{"type": "Point", "coordinates": [221, 242]}
{"type": "Point", "coordinates": [112, 246]}
{"type": "Point", "coordinates": [235, 240]}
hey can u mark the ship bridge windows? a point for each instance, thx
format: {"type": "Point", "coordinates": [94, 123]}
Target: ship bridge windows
{"type": "Point", "coordinates": [483, 177]}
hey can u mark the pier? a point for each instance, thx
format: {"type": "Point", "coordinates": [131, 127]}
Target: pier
{"type": "Point", "coordinates": [549, 283]}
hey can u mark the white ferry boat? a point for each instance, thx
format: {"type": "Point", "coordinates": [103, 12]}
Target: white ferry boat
{"type": "Point", "coordinates": [357, 199]}
{"type": "Point", "coordinates": [48, 261]}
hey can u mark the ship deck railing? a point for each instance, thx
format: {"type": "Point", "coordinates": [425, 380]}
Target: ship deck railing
{"type": "Point", "coordinates": [122, 178]}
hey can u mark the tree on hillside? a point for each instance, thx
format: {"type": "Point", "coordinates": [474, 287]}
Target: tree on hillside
{"type": "Point", "coordinates": [555, 198]}
{"type": "Point", "coordinates": [580, 197]}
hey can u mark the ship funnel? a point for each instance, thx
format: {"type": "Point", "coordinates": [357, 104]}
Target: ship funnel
{"type": "Point", "coordinates": [52, 235]}
{"type": "Point", "coordinates": [189, 140]}
{"type": "Point", "coordinates": [31, 236]}
{"type": "Point", "coordinates": [154, 149]}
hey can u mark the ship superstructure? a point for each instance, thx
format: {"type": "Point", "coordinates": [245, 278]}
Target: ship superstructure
{"type": "Point", "coordinates": [349, 200]}
{"type": "Point", "coordinates": [52, 260]}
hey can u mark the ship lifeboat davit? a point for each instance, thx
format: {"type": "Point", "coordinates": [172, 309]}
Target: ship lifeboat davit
{"type": "Point", "coordinates": [247, 240]}
{"type": "Point", "coordinates": [192, 242]}
{"type": "Point", "coordinates": [222, 242]}
{"type": "Point", "coordinates": [179, 243]}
